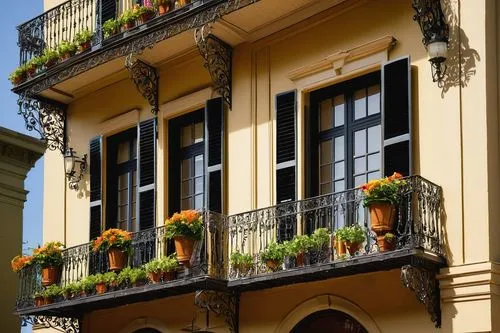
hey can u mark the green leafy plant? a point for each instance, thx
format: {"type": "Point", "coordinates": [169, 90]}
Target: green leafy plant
{"type": "Point", "coordinates": [49, 56]}
{"type": "Point", "coordinates": [88, 284]}
{"type": "Point", "coordinates": [137, 275]}
{"type": "Point", "coordinates": [238, 259]}
{"type": "Point", "coordinates": [390, 238]}
{"type": "Point", "coordinates": [72, 289]}
{"type": "Point", "coordinates": [143, 10]}
{"type": "Point", "coordinates": [111, 27]}
{"type": "Point", "coordinates": [124, 276]}
{"type": "Point", "coordinates": [187, 223]}
{"type": "Point", "coordinates": [52, 291]}
{"type": "Point", "coordinates": [83, 37]}
{"type": "Point", "coordinates": [50, 255]}
{"type": "Point", "coordinates": [352, 234]}
{"type": "Point", "coordinates": [320, 238]}
{"type": "Point", "coordinates": [66, 48]}
{"type": "Point", "coordinates": [301, 244]}
{"type": "Point", "coordinates": [274, 252]}
{"type": "Point", "coordinates": [128, 16]}
{"type": "Point", "coordinates": [157, 3]}
{"type": "Point", "coordinates": [384, 190]}
{"type": "Point", "coordinates": [18, 75]}
{"type": "Point", "coordinates": [163, 264]}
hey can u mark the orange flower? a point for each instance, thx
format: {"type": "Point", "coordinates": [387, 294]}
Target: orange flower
{"type": "Point", "coordinates": [19, 262]}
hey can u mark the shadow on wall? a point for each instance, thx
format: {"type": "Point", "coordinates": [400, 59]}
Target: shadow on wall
{"type": "Point", "coordinates": [462, 58]}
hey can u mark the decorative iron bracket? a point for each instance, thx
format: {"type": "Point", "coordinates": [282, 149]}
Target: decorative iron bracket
{"type": "Point", "coordinates": [430, 18]}
{"type": "Point", "coordinates": [220, 303]}
{"type": "Point", "coordinates": [218, 60]}
{"type": "Point", "coordinates": [424, 284]}
{"type": "Point", "coordinates": [145, 78]}
{"type": "Point", "coordinates": [47, 118]}
{"type": "Point", "coordinates": [61, 324]}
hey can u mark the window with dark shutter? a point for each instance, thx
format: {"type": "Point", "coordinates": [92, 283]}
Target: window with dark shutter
{"type": "Point", "coordinates": [286, 189]}
{"type": "Point", "coordinates": [214, 154]}
{"type": "Point", "coordinates": [108, 10]}
{"type": "Point", "coordinates": [95, 187]}
{"type": "Point", "coordinates": [147, 173]}
{"type": "Point", "coordinates": [396, 115]}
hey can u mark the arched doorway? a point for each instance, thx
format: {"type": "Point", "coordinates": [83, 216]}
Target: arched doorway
{"type": "Point", "coordinates": [147, 330]}
{"type": "Point", "coordinates": [329, 321]}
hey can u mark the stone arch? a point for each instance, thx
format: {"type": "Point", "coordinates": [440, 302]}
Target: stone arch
{"type": "Point", "coordinates": [140, 325]}
{"type": "Point", "coordinates": [326, 302]}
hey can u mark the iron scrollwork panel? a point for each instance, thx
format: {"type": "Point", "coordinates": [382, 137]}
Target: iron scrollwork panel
{"type": "Point", "coordinates": [222, 304]}
{"type": "Point", "coordinates": [61, 324]}
{"type": "Point", "coordinates": [45, 117]}
{"type": "Point", "coordinates": [145, 78]}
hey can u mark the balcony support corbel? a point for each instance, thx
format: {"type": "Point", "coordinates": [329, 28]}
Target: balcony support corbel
{"type": "Point", "coordinates": [423, 283]}
{"type": "Point", "coordinates": [61, 324]}
{"type": "Point", "coordinates": [221, 303]}
{"type": "Point", "coordinates": [146, 79]}
{"type": "Point", "coordinates": [47, 118]}
{"type": "Point", "coordinates": [218, 57]}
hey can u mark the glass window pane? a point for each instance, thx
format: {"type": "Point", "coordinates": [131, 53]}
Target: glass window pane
{"type": "Point", "coordinates": [187, 136]}
{"type": "Point", "coordinates": [198, 185]}
{"type": "Point", "coordinates": [198, 165]}
{"type": "Point", "coordinates": [325, 173]}
{"type": "Point", "coordinates": [123, 212]}
{"type": "Point", "coordinates": [326, 188]}
{"type": "Point", "coordinates": [339, 186]}
{"type": "Point", "coordinates": [374, 139]}
{"type": "Point", "coordinates": [374, 99]}
{"type": "Point", "coordinates": [198, 132]}
{"type": "Point", "coordinates": [186, 169]}
{"type": "Point", "coordinates": [339, 110]}
{"type": "Point", "coordinates": [360, 104]}
{"type": "Point", "coordinates": [187, 188]}
{"type": "Point", "coordinates": [135, 227]}
{"type": "Point", "coordinates": [325, 152]}
{"type": "Point", "coordinates": [360, 142]}
{"type": "Point", "coordinates": [123, 225]}
{"type": "Point", "coordinates": [339, 170]}
{"type": "Point", "coordinates": [374, 175]}
{"type": "Point", "coordinates": [134, 148]}
{"type": "Point", "coordinates": [187, 203]}
{"type": "Point", "coordinates": [198, 201]}
{"type": "Point", "coordinates": [123, 197]}
{"type": "Point", "coordinates": [359, 165]}
{"type": "Point", "coordinates": [325, 115]}
{"type": "Point", "coordinates": [123, 152]}
{"type": "Point", "coordinates": [339, 148]}
{"type": "Point", "coordinates": [359, 180]}
{"type": "Point", "coordinates": [374, 162]}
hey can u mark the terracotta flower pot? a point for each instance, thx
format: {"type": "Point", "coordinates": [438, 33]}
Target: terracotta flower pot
{"type": "Point", "coordinates": [117, 259]}
{"type": "Point", "coordinates": [169, 276]}
{"type": "Point", "coordinates": [47, 300]}
{"type": "Point", "coordinates": [182, 3]}
{"type": "Point", "coordinates": [68, 295]}
{"type": "Point", "coordinates": [245, 269]}
{"type": "Point", "coordinates": [154, 277]}
{"type": "Point", "coordinates": [139, 283]}
{"type": "Point", "coordinates": [146, 17]}
{"type": "Point", "coordinates": [163, 9]}
{"type": "Point", "coordinates": [382, 216]}
{"type": "Point", "coordinates": [50, 63]}
{"type": "Point", "coordinates": [384, 245]}
{"type": "Point", "coordinates": [39, 301]}
{"type": "Point", "coordinates": [300, 259]}
{"type": "Point", "coordinates": [339, 247]}
{"type": "Point", "coordinates": [84, 47]}
{"type": "Point", "coordinates": [273, 265]}
{"type": "Point", "coordinates": [101, 288]}
{"type": "Point", "coordinates": [352, 248]}
{"type": "Point", "coordinates": [50, 275]}
{"type": "Point", "coordinates": [31, 72]}
{"type": "Point", "coordinates": [128, 25]}
{"type": "Point", "coordinates": [184, 248]}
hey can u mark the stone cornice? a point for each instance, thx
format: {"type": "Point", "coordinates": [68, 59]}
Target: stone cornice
{"type": "Point", "coordinates": [18, 149]}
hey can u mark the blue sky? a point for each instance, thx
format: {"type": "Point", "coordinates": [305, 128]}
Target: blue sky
{"type": "Point", "coordinates": [14, 13]}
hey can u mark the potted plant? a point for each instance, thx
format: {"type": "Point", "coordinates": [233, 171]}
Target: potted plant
{"type": "Point", "coordinates": [181, 3]}
{"type": "Point", "coordinates": [128, 19]}
{"type": "Point", "coordinates": [102, 281]}
{"type": "Point", "coordinates": [353, 236]}
{"type": "Point", "coordinates": [123, 278]}
{"type": "Point", "coordinates": [241, 262]}
{"type": "Point", "coordinates": [300, 246]}
{"type": "Point", "coordinates": [273, 256]}
{"type": "Point", "coordinates": [137, 277]}
{"type": "Point", "coordinates": [111, 27]}
{"type": "Point", "coordinates": [381, 196]}
{"type": "Point", "coordinates": [66, 50]}
{"type": "Point", "coordinates": [387, 243]}
{"type": "Point", "coordinates": [18, 76]}
{"type": "Point", "coordinates": [144, 13]}
{"type": "Point", "coordinates": [82, 40]}
{"type": "Point", "coordinates": [339, 243]}
{"type": "Point", "coordinates": [117, 242]}
{"type": "Point", "coordinates": [163, 268]}
{"type": "Point", "coordinates": [49, 257]}
{"type": "Point", "coordinates": [321, 241]}
{"type": "Point", "coordinates": [20, 262]}
{"type": "Point", "coordinates": [88, 285]}
{"type": "Point", "coordinates": [153, 270]}
{"type": "Point", "coordinates": [51, 293]}
{"type": "Point", "coordinates": [71, 290]}
{"type": "Point", "coordinates": [31, 67]}
{"type": "Point", "coordinates": [50, 57]}
{"type": "Point", "coordinates": [163, 6]}
{"type": "Point", "coordinates": [38, 298]}
{"type": "Point", "coordinates": [184, 228]}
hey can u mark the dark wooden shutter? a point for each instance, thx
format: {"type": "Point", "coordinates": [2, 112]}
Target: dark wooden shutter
{"type": "Point", "coordinates": [95, 187]}
{"type": "Point", "coordinates": [214, 154]}
{"type": "Point", "coordinates": [286, 119]}
{"type": "Point", "coordinates": [146, 170]}
{"type": "Point", "coordinates": [396, 117]}
{"type": "Point", "coordinates": [108, 10]}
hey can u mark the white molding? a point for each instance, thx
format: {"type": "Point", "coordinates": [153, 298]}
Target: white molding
{"type": "Point", "coordinates": [187, 103]}
{"type": "Point", "coordinates": [119, 123]}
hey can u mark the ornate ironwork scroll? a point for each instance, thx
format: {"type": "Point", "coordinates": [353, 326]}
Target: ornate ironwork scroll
{"type": "Point", "coordinates": [218, 60]}
{"type": "Point", "coordinates": [220, 303]}
{"type": "Point", "coordinates": [430, 18]}
{"type": "Point", "coordinates": [61, 324]}
{"type": "Point", "coordinates": [145, 78]}
{"type": "Point", "coordinates": [424, 284]}
{"type": "Point", "coordinates": [47, 118]}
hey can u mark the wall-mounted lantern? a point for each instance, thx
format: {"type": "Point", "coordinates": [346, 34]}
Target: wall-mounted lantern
{"type": "Point", "coordinates": [430, 17]}
{"type": "Point", "coordinates": [74, 167]}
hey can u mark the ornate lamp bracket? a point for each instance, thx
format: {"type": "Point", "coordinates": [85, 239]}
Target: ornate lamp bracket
{"type": "Point", "coordinates": [220, 303]}
{"type": "Point", "coordinates": [145, 78]}
{"type": "Point", "coordinates": [61, 324]}
{"type": "Point", "coordinates": [47, 118]}
{"type": "Point", "coordinates": [424, 284]}
{"type": "Point", "coordinates": [218, 60]}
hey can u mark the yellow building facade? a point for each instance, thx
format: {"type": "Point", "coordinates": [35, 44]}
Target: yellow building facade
{"type": "Point", "coordinates": [272, 114]}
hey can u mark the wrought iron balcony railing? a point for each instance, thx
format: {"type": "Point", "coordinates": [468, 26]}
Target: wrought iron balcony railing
{"type": "Point", "coordinates": [209, 260]}
{"type": "Point", "coordinates": [417, 226]}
